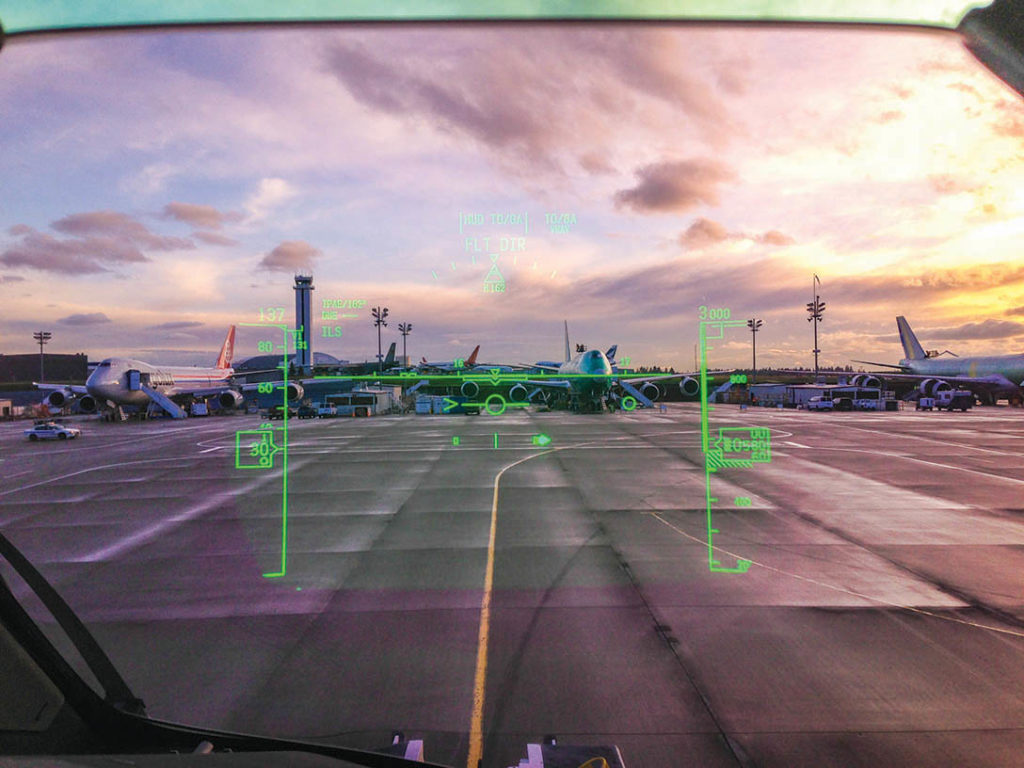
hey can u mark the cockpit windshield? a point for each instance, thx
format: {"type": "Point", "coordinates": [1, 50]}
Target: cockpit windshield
{"type": "Point", "coordinates": [486, 381]}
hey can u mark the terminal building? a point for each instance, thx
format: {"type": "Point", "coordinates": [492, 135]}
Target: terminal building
{"type": "Point", "coordinates": [266, 367]}
{"type": "Point", "coordinates": [366, 401]}
{"type": "Point", "coordinates": [63, 368]}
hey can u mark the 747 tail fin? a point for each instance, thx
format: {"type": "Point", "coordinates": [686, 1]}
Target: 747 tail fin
{"type": "Point", "coordinates": [227, 351]}
{"type": "Point", "coordinates": [911, 346]}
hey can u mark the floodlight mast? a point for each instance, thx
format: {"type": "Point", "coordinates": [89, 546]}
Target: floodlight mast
{"type": "Point", "coordinates": [380, 315]}
{"type": "Point", "coordinates": [42, 337]}
{"type": "Point", "coordinates": [405, 329]}
{"type": "Point", "coordinates": [754, 325]}
{"type": "Point", "coordinates": [816, 308]}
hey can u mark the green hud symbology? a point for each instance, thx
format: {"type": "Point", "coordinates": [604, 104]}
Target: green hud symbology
{"type": "Point", "coordinates": [494, 405]}
{"type": "Point", "coordinates": [266, 446]}
{"type": "Point", "coordinates": [725, 448]}
{"type": "Point", "coordinates": [494, 242]}
{"type": "Point", "coordinates": [255, 448]}
{"type": "Point", "coordinates": [740, 447]}
{"type": "Point", "coordinates": [491, 377]}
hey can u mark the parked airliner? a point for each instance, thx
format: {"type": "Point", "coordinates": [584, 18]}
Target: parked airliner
{"type": "Point", "coordinates": [118, 381]}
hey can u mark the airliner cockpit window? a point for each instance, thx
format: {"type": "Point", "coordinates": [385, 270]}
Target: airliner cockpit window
{"type": "Point", "coordinates": [586, 394]}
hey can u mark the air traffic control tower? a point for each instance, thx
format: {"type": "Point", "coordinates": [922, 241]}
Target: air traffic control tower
{"type": "Point", "coordinates": [304, 322]}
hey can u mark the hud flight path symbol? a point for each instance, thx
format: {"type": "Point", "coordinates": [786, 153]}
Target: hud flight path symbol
{"type": "Point", "coordinates": [255, 448]}
{"type": "Point", "coordinates": [495, 405]}
{"type": "Point", "coordinates": [733, 447]}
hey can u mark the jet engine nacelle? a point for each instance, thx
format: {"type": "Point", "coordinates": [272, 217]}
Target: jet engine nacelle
{"type": "Point", "coordinates": [295, 391]}
{"type": "Point", "coordinates": [518, 393]}
{"type": "Point", "coordinates": [58, 398]}
{"type": "Point", "coordinates": [651, 391]}
{"type": "Point", "coordinates": [87, 404]}
{"type": "Point", "coordinates": [470, 389]}
{"type": "Point", "coordinates": [688, 386]}
{"type": "Point", "coordinates": [230, 399]}
{"type": "Point", "coordinates": [865, 380]}
{"type": "Point", "coordinates": [931, 387]}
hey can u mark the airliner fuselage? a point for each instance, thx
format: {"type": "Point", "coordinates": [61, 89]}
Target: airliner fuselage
{"type": "Point", "coordinates": [110, 381]}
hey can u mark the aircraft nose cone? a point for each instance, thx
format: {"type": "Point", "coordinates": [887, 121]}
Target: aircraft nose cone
{"type": "Point", "coordinates": [102, 386]}
{"type": "Point", "coordinates": [596, 364]}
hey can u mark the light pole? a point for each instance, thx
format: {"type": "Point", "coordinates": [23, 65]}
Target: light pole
{"type": "Point", "coordinates": [379, 318]}
{"type": "Point", "coordinates": [815, 308]}
{"type": "Point", "coordinates": [754, 325]}
{"type": "Point", "coordinates": [405, 329]}
{"type": "Point", "coordinates": [42, 337]}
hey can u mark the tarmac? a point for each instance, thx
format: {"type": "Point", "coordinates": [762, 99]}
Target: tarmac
{"type": "Point", "coordinates": [483, 595]}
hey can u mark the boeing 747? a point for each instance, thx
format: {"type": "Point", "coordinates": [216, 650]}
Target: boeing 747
{"type": "Point", "coordinates": [119, 381]}
{"type": "Point", "coordinates": [991, 378]}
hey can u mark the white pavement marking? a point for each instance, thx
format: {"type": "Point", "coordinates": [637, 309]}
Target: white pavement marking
{"type": "Point", "coordinates": [930, 463]}
{"type": "Point", "coordinates": [118, 465]}
{"type": "Point", "coordinates": [147, 534]}
{"type": "Point", "coordinates": [837, 588]}
{"type": "Point", "coordinates": [906, 435]}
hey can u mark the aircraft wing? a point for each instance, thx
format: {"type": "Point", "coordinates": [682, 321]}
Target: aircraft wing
{"type": "Point", "coordinates": [881, 365]}
{"type": "Point", "coordinates": [201, 391]}
{"type": "Point", "coordinates": [644, 378]}
{"type": "Point", "coordinates": [689, 383]}
{"type": "Point", "coordinates": [78, 389]}
{"type": "Point", "coordinates": [983, 383]}
{"type": "Point", "coordinates": [534, 366]}
{"type": "Point", "coordinates": [254, 386]}
{"type": "Point", "coordinates": [556, 384]}
{"type": "Point", "coordinates": [255, 371]}
{"type": "Point", "coordinates": [899, 371]}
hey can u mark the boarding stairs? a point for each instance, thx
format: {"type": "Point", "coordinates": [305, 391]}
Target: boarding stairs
{"type": "Point", "coordinates": [140, 382]}
{"type": "Point", "coordinates": [640, 397]}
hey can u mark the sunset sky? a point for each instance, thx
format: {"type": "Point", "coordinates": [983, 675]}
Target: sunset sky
{"type": "Point", "coordinates": [158, 187]}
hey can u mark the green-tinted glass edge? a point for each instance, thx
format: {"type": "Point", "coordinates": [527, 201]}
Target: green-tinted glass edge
{"type": "Point", "coordinates": [21, 16]}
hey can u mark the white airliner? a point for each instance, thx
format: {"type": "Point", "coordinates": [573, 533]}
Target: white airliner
{"type": "Point", "coordinates": [991, 378]}
{"type": "Point", "coordinates": [123, 381]}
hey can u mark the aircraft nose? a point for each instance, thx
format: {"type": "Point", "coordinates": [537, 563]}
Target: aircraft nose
{"type": "Point", "coordinates": [596, 364]}
{"type": "Point", "coordinates": [101, 384]}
